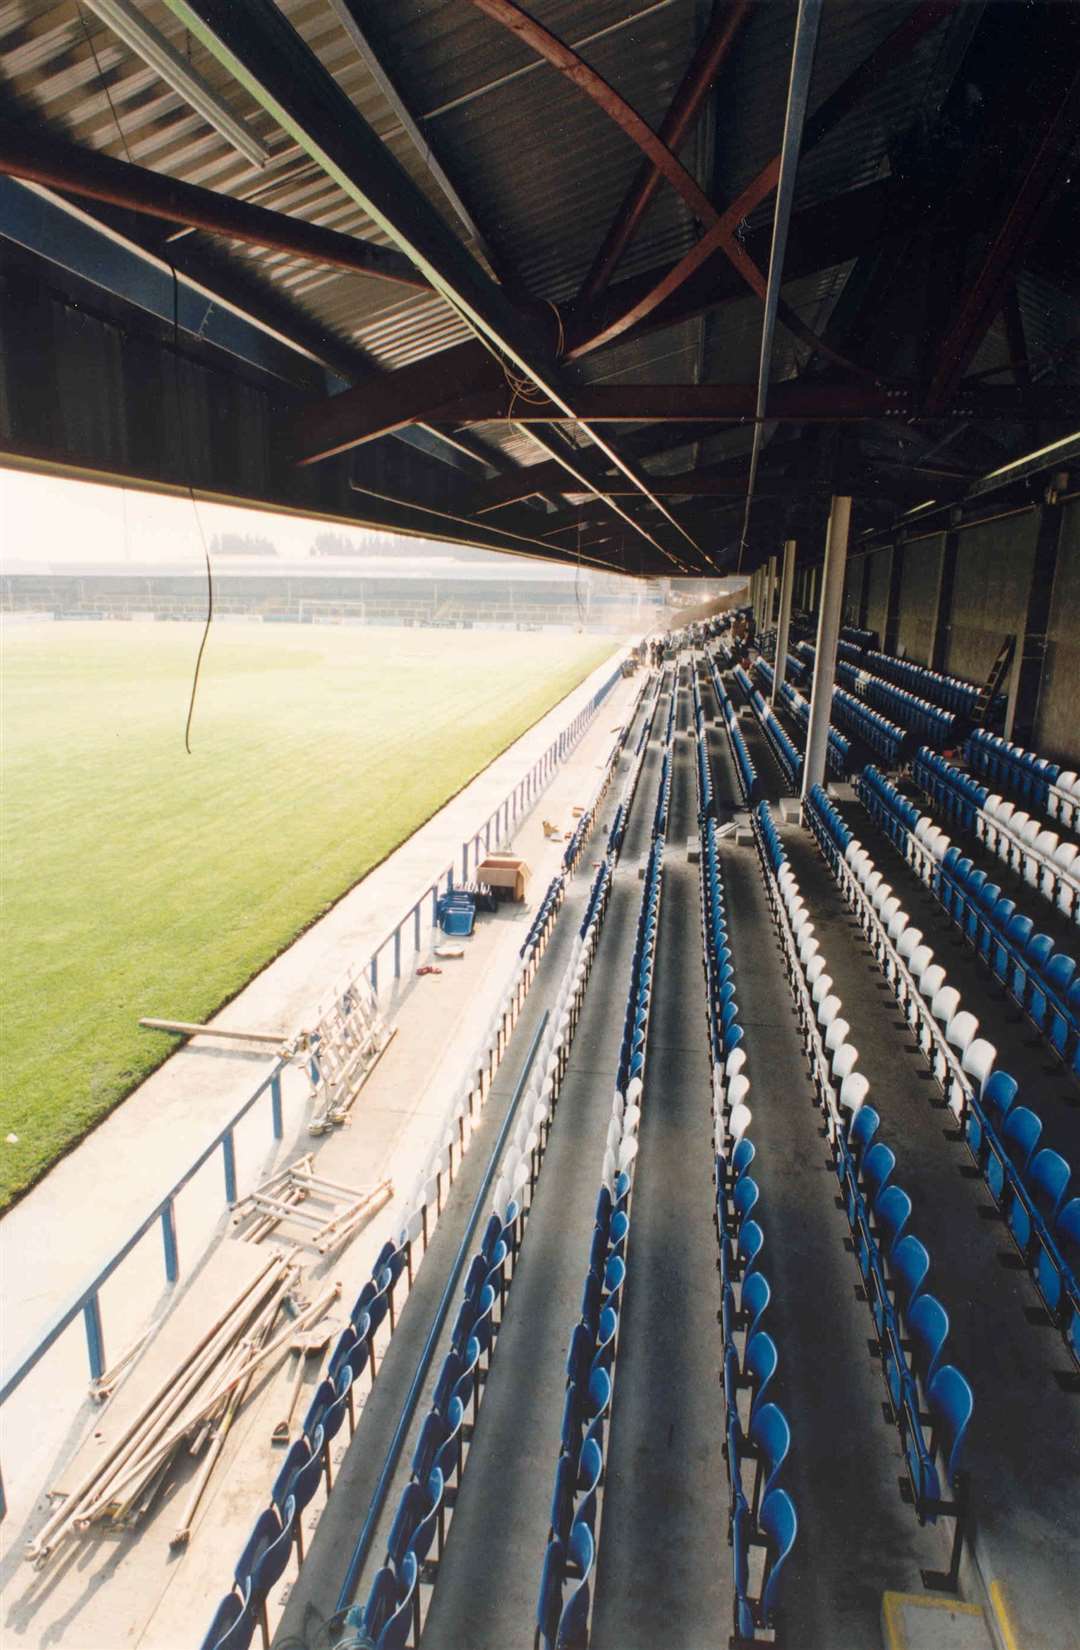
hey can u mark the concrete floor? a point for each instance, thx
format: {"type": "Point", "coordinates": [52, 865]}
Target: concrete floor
{"type": "Point", "coordinates": [161, 1599]}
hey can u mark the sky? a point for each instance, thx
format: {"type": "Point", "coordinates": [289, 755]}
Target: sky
{"type": "Point", "coordinates": [50, 519]}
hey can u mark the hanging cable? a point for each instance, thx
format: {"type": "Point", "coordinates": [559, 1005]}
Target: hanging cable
{"type": "Point", "coordinates": [101, 77]}
{"type": "Point", "coordinates": [186, 458]}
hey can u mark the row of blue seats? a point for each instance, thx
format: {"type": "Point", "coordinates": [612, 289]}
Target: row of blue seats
{"type": "Point", "coordinates": [837, 749]}
{"type": "Point", "coordinates": [958, 795]}
{"type": "Point", "coordinates": [393, 1603]}
{"type": "Point", "coordinates": [277, 1530]}
{"type": "Point", "coordinates": [1030, 1186]}
{"type": "Point", "coordinates": [1024, 774]}
{"type": "Point", "coordinates": [796, 671]}
{"type": "Point", "coordinates": [910, 1326]}
{"type": "Point", "coordinates": [704, 770]}
{"type": "Point", "coordinates": [858, 636]}
{"type": "Point", "coordinates": [758, 1441]}
{"type": "Point", "coordinates": [867, 724]}
{"type": "Point", "coordinates": [916, 716]}
{"type": "Point", "coordinates": [952, 693]}
{"type": "Point", "coordinates": [583, 829]}
{"type": "Point", "coordinates": [562, 1611]}
{"type": "Point", "coordinates": [546, 912]}
{"type": "Point", "coordinates": [747, 774]}
{"type": "Point", "coordinates": [783, 749]}
{"type": "Point", "coordinates": [1043, 983]}
{"type": "Point", "coordinates": [439, 1457]}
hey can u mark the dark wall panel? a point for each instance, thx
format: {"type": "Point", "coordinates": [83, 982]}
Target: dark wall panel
{"type": "Point", "coordinates": [853, 589]}
{"type": "Point", "coordinates": [993, 577]}
{"type": "Point", "coordinates": [878, 573]}
{"type": "Point", "coordinates": [1057, 726]}
{"type": "Point", "coordinates": [919, 597]}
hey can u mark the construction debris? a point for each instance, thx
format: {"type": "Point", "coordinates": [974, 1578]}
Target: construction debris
{"type": "Point", "coordinates": [286, 1196]}
{"type": "Point", "coordinates": [347, 1043]}
{"type": "Point", "coordinates": [187, 1411]}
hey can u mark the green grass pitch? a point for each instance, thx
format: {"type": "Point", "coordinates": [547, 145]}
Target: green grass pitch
{"type": "Point", "coordinates": [138, 879]}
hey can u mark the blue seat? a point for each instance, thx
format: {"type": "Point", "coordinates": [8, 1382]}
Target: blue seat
{"type": "Point", "coordinates": [928, 1326]}
{"type": "Point", "coordinates": [909, 1266]}
{"type": "Point", "coordinates": [779, 1526]}
{"type": "Point", "coordinates": [549, 1602]}
{"type": "Point", "coordinates": [263, 1561]}
{"type": "Point", "coordinates": [997, 1100]}
{"type": "Point", "coordinates": [299, 1479]}
{"type": "Point", "coordinates": [432, 1434]}
{"type": "Point", "coordinates": [759, 1365]}
{"type": "Point", "coordinates": [951, 1404]}
{"type": "Point", "coordinates": [753, 1301]}
{"type": "Point", "coordinates": [431, 1520]}
{"type": "Point", "coordinates": [892, 1211]}
{"type": "Point", "coordinates": [770, 1436]}
{"type": "Point", "coordinates": [1019, 1137]}
{"type": "Point", "coordinates": [590, 1470]}
{"type": "Point", "coordinates": [1046, 1182]}
{"type": "Point", "coordinates": [395, 1631]}
{"type": "Point", "coordinates": [448, 1455]}
{"type": "Point", "coordinates": [606, 1332]}
{"type": "Point", "coordinates": [573, 1630]}
{"type": "Point", "coordinates": [233, 1625]}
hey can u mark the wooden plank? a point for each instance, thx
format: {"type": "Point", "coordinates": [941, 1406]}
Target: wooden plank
{"type": "Point", "coordinates": [229, 1271]}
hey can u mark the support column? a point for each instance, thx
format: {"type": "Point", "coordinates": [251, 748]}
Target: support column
{"type": "Point", "coordinates": [828, 631]}
{"type": "Point", "coordinates": [770, 591]}
{"type": "Point", "coordinates": [783, 623]}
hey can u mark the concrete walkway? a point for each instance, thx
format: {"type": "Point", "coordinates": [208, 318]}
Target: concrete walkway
{"type": "Point", "coordinates": [154, 1597]}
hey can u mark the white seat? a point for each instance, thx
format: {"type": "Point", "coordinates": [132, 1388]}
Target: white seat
{"type": "Point", "coordinates": [633, 1090]}
{"type": "Point", "coordinates": [961, 1030]}
{"type": "Point", "coordinates": [822, 985]}
{"type": "Point", "coordinates": [836, 1033]}
{"type": "Point", "coordinates": [627, 1151]}
{"type": "Point", "coordinates": [881, 893]}
{"type": "Point", "coordinates": [853, 848]}
{"type": "Point", "coordinates": [828, 1010]}
{"type": "Point", "coordinates": [922, 825]}
{"type": "Point", "coordinates": [815, 969]}
{"type": "Point", "coordinates": [978, 1062]}
{"type": "Point", "coordinates": [844, 1062]}
{"type": "Point", "coordinates": [738, 1089]}
{"type": "Point", "coordinates": [739, 1121]}
{"type": "Point", "coordinates": [931, 981]}
{"type": "Point", "coordinates": [889, 909]}
{"type": "Point", "coordinates": [940, 845]}
{"type": "Point", "coordinates": [800, 920]}
{"type": "Point", "coordinates": [944, 1004]}
{"type": "Point", "coordinates": [808, 945]}
{"type": "Point", "coordinates": [734, 1063]}
{"type": "Point", "coordinates": [853, 1092]}
{"type": "Point", "coordinates": [631, 1119]}
{"type": "Point", "coordinates": [909, 942]}
{"type": "Point", "coordinates": [873, 882]}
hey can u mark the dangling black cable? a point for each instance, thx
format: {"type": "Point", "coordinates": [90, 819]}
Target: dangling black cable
{"type": "Point", "coordinates": [195, 511]}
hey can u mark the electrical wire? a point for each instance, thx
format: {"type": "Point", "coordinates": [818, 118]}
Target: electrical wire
{"type": "Point", "coordinates": [101, 78]}
{"type": "Point", "coordinates": [186, 457]}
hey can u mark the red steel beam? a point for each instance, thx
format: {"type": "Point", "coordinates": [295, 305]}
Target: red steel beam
{"type": "Point", "coordinates": [712, 51]}
{"type": "Point", "coordinates": [1047, 162]}
{"type": "Point", "coordinates": [865, 78]}
{"type": "Point", "coordinates": [36, 157]}
{"type": "Point", "coordinates": [426, 391]}
{"type": "Point", "coordinates": [686, 404]}
{"type": "Point", "coordinates": [820, 235]}
{"type": "Point", "coordinates": [615, 106]}
{"type": "Point", "coordinates": [722, 225]}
